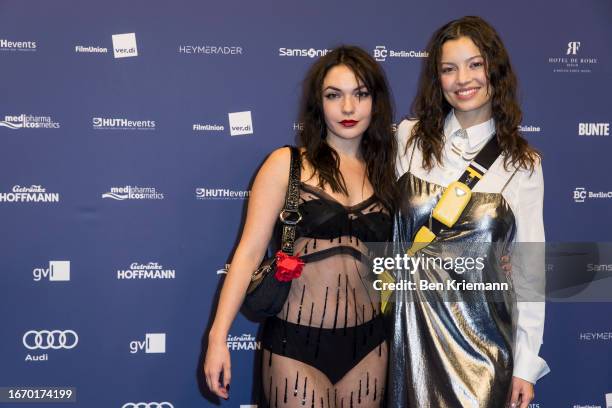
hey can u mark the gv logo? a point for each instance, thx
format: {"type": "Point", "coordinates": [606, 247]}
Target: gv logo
{"type": "Point", "coordinates": [147, 405]}
{"type": "Point", "coordinates": [58, 271]}
{"type": "Point", "coordinates": [50, 339]}
{"type": "Point", "coordinates": [572, 47]}
{"type": "Point", "coordinates": [153, 343]}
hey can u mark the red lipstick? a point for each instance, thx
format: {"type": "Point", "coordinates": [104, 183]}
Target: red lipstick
{"type": "Point", "coordinates": [349, 123]}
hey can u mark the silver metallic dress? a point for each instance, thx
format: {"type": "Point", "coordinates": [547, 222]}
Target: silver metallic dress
{"type": "Point", "coordinates": [451, 349]}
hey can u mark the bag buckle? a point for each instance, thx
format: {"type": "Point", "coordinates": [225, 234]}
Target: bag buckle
{"type": "Point", "coordinates": [290, 217]}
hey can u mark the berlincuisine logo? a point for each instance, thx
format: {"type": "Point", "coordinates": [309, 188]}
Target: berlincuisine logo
{"type": "Point", "coordinates": [32, 194]}
{"type": "Point", "coordinates": [133, 193]}
{"type": "Point", "coordinates": [122, 124]}
{"type": "Point", "coordinates": [381, 53]}
{"type": "Point", "coordinates": [27, 121]}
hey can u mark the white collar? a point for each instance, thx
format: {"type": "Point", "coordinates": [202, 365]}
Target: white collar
{"type": "Point", "coordinates": [477, 134]}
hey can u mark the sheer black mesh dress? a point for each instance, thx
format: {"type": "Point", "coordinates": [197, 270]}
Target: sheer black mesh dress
{"type": "Point", "coordinates": [327, 347]}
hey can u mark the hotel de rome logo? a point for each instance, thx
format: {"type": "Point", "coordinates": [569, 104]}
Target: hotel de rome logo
{"type": "Point", "coordinates": [153, 343]}
{"type": "Point", "coordinates": [29, 121]}
{"type": "Point", "coordinates": [151, 270]}
{"type": "Point", "coordinates": [57, 271]}
{"type": "Point", "coordinates": [9, 44]}
{"type": "Point", "coordinates": [45, 340]}
{"type": "Point", "coordinates": [133, 193]}
{"type": "Point", "coordinates": [574, 60]}
{"type": "Point", "coordinates": [33, 194]}
{"type": "Point", "coordinates": [381, 53]}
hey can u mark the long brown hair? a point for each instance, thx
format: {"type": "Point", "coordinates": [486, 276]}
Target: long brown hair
{"type": "Point", "coordinates": [431, 108]}
{"type": "Point", "coordinates": [378, 145]}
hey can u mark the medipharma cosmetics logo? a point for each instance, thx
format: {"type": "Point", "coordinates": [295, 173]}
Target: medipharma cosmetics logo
{"type": "Point", "coordinates": [133, 193]}
{"type": "Point", "coordinates": [381, 53]}
{"type": "Point", "coordinates": [27, 121]}
{"type": "Point", "coordinates": [124, 45]}
{"type": "Point", "coordinates": [574, 60]}
{"type": "Point", "coordinates": [32, 194]}
{"type": "Point", "coordinates": [12, 45]}
{"type": "Point", "coordinates": [100, 123]}
{"type": "Point", "coordinates": [151, 270]}
{"type": "Point", "coordinates": [153, 343]}
{"type": "Point", "coordinates": [302, 52]}
{"type": "Point", "coordinates": [58, 271]}
{"type": "Point", "coordinates": [203, 193]}
{"type": "Point", "coordinates": [240, 123]}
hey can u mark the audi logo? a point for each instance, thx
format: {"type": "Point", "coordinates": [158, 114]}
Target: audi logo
{"type": "Point", "coordinates": [50, 339]}
{"type": "Point", "coordinates": [147, 405]}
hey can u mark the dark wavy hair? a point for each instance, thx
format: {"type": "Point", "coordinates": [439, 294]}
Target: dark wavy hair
{"type": "Point", "coordinates": [430, 107]}
{"type": "Point", "coordinates": [378, 145]}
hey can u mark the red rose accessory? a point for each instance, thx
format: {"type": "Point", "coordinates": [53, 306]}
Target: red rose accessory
{"type": "Point", "coordinates": [288, 267]}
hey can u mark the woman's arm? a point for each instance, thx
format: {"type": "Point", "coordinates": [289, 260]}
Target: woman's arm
{"type": "Point", "coordinates": [265, 203]}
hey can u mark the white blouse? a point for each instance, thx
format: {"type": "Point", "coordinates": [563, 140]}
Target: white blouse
{"type": "Point", "coordinates": [524, 192]}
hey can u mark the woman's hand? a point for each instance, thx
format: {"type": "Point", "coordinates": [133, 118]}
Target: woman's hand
{"type": "Point", "coordinates": [522, 391]}
{"type": "Point", "coordinates": [217, 363]}
{"type": "Point", "coordinates": [506, 264]}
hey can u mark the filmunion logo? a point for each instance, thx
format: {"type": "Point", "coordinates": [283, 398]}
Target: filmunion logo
{"type": "Point", "coordinates": [201, 127]}
{"type": "Point", "coordinates": [581, 194]}
{"type": "Point", "coordinates": [243, 342]}
{"type": "Point", "coordinates": [572, 62]}
{"type": "Point", "coordinates": [221, 194]}
{"type": "Point", "coordinates": [90, 49]}
{"type": "Point", "coordinates": [151, 270]}
{"type": "Point", "coordinates": [58, 271]}
{"type": "Point", "coordinates": [29, 122]}
{"type": "Point", "coordinates": [529, 128]}
{"type": "Point", "coordinates": [240, 123]}
{"type": "Point", "coordinates": [210, 49]}
{"type": "Point", "coordinates": [302, 52]}
{"type": "Point", "coordinates": [164, 404]}
{"type": "Point", "coordinates": [381, 53]}
{"type": "Point", "coordinates": [9, 45]}
{"type": "Point", "coordinates": [122, 124]}
{"type": "Point", "coordinates": [133, 193]}
{"type": "Point", "coordinates": [593, 129]}
{"type": "Point", "coordinates": [32, 194]}
{"type": "Point", "coordinates": [154, 343]}
{"type": "Point", "coordinates": [124, 45]}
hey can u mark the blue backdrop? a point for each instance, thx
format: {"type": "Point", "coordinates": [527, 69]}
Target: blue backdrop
{"type": "Point", "coordinates": [130, 132]}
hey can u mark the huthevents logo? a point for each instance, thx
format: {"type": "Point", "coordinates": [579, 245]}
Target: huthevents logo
{"type": "Point", "coordinates": [27, 121]}
{"type": "Point", "coordinates": [154, 343]}
{"type": "Point", "coordinates": [10, 45]}
{"type": "Point", "coordinates": [381, 53]}
{"type": "Point", "coordinates": [124, 45]}
{"type": "Point", "coordinates": [221, 194]}
{"type": "Point", "coordinates": [151, 270]}
{"type": "Point", "coordinates": [32, 194]}
{"type": "Point", "coordinates": [574, 61]}
{"type": "Point", "coordinates": [58, 271]}
{"type": "Point", "coordinates": [240, 123]}
{"type": "Point", "coordinates": [122, 124]}
{"type": "Point", "coordinates": [133, 193]}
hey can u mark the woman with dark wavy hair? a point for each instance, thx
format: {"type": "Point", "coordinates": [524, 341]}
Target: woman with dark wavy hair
{"type": "Point", "coordinates": [327, 346]}
{"type": "Point", "coordinates": [476, 346]}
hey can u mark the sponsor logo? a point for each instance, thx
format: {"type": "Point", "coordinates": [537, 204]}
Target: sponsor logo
{"type": "Point", "coordinates": [154, 343]}
{"type": "Point", "coordinates": [122, 124]}
{"type": "Point", "coordinates": [529, 128]}
{"type": "Point", "coordinates": [124, 45]}
{"type": "Point", "coordinates": [221, 194]}
{"type": "Point", "coordinates": [223, 270]}
{"type": "Point", "coordinates": [586, 406]}
{"type": "Point", "coordinates": [26, 121]}
{"type": "Point", "coordinates": [201, 127]}
{"type": "Point", "coordinates": [302, 52]}
{"type": "Point", "coordinates": [593, 129]}
{"type": "Point", "coordinates": [151, 270]}
{"type": "Point", "coordinates": [248, 406]}
{"type": "Point", "coordinates": [58, 271]}
{"type": "Point", "coordinates": [609, 400]}
{"type": "Point", "coordinates": [48, 340]}
{"type": "Point", "coordinates": [381, 53]}
{"type": "Point", "coordinates": [32, 194]}
{"type": "Point", "coordinates": [210, 49]}
{"type": "Point", "coordinates": [594, 336]}
{"type": "Point", "coordinates": [147, 405]}
{"type": "Point", "coordinates": [240, 123]}
{"type": "Point", "coordinates": [133, 193]}
{"type": "Point", "coordinates": [581, 194]}
{"type": "Point", "coordinates": [243, 342]}
{"type": "Point", "coordinates": [90, 49]}
{"type": "Point", "coordinates": [298, 126]}
{"type": "Point", "coordinates": [573, 61]}
{"type": "Point", "coordinates": [10, 45]}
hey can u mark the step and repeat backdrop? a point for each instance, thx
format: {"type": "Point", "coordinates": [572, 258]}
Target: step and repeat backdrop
{"type": "Point", "coordinates": [131, 131]}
